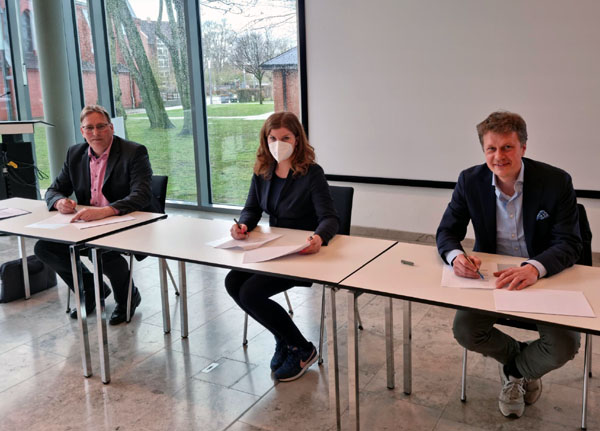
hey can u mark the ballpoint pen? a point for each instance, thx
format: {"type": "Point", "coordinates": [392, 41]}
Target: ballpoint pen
{"type": "Point", "coordinates": [477, 269]}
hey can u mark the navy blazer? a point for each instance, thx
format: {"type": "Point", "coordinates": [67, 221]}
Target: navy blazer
{"type": "Point", "coordinates": [304, 203]}
{"type": "Point", "coordinates": [127, 181]}
{"type": "Point", "coordinates": [550, 218]}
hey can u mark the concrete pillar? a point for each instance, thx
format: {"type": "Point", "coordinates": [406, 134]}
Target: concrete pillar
{"type": "Point", "coordinates": [54, 74]}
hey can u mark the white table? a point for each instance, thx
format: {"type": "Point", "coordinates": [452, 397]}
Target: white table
{"type": "Point", "coordinates": [388, 277]}
{"type": "Point", "coordinates": [75, 238]}
{"type": "Point", "coordinates": [184, 239]}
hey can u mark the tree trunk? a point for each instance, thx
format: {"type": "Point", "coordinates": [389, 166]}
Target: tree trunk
{"type": "Point", "coordinates": [116, 86]}
{"type": "Point", "coordinates": [137, 62]}
{"type": "Point", "coordinates": [177, 47]}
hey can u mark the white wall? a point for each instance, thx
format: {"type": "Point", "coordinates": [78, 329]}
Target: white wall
{"type": "Point", "coordinates": [372, 113]}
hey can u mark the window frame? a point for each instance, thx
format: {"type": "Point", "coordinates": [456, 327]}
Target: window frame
{"type": "Point", "coordinates": [97, 15]}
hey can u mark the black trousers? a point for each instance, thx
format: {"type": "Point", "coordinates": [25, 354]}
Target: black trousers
{"type": "Point", "coordinates": [114, 265]}
{"type": "Point", "coordinates": [252, 292]}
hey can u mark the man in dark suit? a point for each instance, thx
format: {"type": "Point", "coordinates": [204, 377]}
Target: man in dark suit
{"type": "Point", "coordinates": [518, 207]}
{"type": "Point", "coordinates": [112, 175]}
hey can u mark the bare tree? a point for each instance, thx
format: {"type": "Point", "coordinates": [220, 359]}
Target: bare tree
{"type": "Point", "coordinates": [129, 42]}
{"type": "Point", "coordinates": [250, 51]}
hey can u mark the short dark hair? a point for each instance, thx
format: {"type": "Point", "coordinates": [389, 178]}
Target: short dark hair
{"type": "Point", "coordinates": [503, 122]}
{"type": "Point", "coordinates": [90, 109]}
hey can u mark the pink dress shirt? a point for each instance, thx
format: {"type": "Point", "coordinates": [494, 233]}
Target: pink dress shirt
{"type": "Point", "coordinates": [97, 172]}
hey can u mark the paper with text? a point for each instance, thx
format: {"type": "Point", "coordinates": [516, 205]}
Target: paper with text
{"type": "Point", "coordinates": [59, 220]}
{"type": "Point", "coordinates": [546, 301]}
{"type": "Point", "coordinates": [268, 253]}
{"type": "Point", "coordinates": [450, 279]}
{"type": "Point", "coordinates": [11, 212]}
{"type": "Point", "coordinates": [254, 240]}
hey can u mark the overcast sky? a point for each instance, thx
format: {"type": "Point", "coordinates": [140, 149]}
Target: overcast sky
{"type": "Point", "coordinates": [144, 9]}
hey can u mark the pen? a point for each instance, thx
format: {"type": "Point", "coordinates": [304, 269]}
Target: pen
{"type": "Point", "coordinates": [407, 262]}
{"type": "Point", "coordinates": [237, 223]}
{"type": "Point", "coordinates": [478, 272]}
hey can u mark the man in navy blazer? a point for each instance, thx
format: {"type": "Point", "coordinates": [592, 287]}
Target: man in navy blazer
{"type": "Point", "coordinates": [518, 207]}
{"type": "Point", "coordinates": [112, 175]}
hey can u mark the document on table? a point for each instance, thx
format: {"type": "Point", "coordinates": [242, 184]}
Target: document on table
{"type": "Point", "coordinates": [11, 212]}
{"type": "Point", "coordinates": [450, 279]}
{"type": "Point", "coordinates": [546, 301]}
{"type": "Point", "coordinates": [254, 240]}
{"type": "Point", "coordinates": [59, 220]}
{"type": "Point", "coordinates": [268, 253]}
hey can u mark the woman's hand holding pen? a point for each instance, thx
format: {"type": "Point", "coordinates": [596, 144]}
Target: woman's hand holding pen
{"type": "Point", "coordinates": [239, 231]}
{"type": "Point", "coordinates": [466, 266]}
{"type": "Point", "coordinates": [314, 242]}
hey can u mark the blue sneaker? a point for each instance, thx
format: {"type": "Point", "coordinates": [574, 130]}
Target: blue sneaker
{"type": "Point", "coordinates": [296, 363]}
{"type": "Point", "coordinates": [280, 354]}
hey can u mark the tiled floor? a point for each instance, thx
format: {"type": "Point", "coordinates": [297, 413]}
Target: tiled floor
{"type": "Point", "coordinates": [158, 381]}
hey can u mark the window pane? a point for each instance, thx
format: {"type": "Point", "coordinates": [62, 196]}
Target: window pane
{"type": "Point", "coordinates": [250, 71]}
{"type": "Point", "coordinates": [8, 107]}
{"type": "Point", "coordinates": [34, 85]}
{"type": "Point", "coordinates": [148, 54]}
{"type": "Point", "coordinates": [86, 53]}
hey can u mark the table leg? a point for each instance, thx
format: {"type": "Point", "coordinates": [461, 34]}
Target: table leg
{"type": "Point", "coordinates": [353, 385]}
{"type": "Point", "coordinates": [81, 312]}
{"type": "Point", "coordinates": [101, 316]}
{"type": "Point", "coordinates": [586, 375]}
{"type": "Point", "coordinates": [164, 295]}
{"type": "Point", "coordinates": [183, 310]}
{"type": "Point", "coordinates": [407, 348]}
{"type": "Point", "coordinates": [389, 343]}
{"type": "Point", "coordinates": [23, 255]}
{"type": "Point", "coordinates": [332, 358]}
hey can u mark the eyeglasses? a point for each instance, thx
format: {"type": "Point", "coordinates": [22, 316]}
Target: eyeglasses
{"type": "Point", "coordinates": [98, 127]}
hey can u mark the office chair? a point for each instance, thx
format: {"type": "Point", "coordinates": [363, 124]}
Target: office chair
{"type": "Point", "coordinates": [159, 191]}
{"type": "Point", "coordinates": [584, 259]}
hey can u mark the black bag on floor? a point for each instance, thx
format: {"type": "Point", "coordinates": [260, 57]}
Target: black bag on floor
{"type": "Point", "coordinates": [41, 277]}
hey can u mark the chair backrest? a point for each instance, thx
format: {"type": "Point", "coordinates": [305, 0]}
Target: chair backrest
{"type": "Point", "coordinates": [342, 200]}
{"type": "Point", "coordinates": [159, 190]}
{"type": "Point", "coordinates": [586, 235]}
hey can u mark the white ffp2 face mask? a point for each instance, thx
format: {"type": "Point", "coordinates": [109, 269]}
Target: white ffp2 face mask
{"type": "Point", "coordinates": [281, 150]}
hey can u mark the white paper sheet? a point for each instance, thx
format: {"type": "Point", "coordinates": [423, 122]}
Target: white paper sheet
{"type": "Point", "coordinates": [59, 220]}
{"type": "Point", "coordinates": [11, 212]}
{"type": "Point", "coordinates": [103, 222]}
{"type": "Point", "coordinates": [449, 279]}
{"type": "Point", "coordinates": [546, 301]}
{"type": "Point", "coordinates": [254, 240]}
{"type": "Point", "coordinates": [268, 253]}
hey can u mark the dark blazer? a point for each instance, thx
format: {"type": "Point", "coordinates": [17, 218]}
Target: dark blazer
{"type": "Point", "coordinates": [304, 203]}
{"type": "Point", "coordinates": [550, 220]}
{"type": "Point", "coordinates": [127, 181]}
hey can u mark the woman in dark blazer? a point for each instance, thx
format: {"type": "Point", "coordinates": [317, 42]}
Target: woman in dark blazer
{"type": "Point", "coordinates": [289, 186]}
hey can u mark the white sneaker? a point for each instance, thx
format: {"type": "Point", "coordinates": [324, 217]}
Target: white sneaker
{"type": "Point", "coordinates": [510, 401]}
{"type": "Point", "coordinates": [533, 390]}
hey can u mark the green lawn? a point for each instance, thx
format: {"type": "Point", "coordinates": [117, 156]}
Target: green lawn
{"type": "Point", "coordinates": [232, 148]}
{"type": "Point", "coordinates": [225, 110]}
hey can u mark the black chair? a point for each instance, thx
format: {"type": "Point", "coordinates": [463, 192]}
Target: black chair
{"type": "Point", "coordinates": [342, 200]}
{"type": "Point", "coordinates": [585, 259]}
{"type": "Point", "coordinates": [159, 191]}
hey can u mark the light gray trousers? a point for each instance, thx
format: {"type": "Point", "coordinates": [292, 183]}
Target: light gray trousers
{"type": "Point", "coordinates": [554, 348]}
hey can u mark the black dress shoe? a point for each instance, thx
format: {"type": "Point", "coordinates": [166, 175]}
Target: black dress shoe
{"type": "Point", "coordinates": [119, 315]}
{"type": "Point", "coordinates": [90, 305]}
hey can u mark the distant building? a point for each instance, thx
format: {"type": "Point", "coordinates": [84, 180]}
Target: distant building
{"type": "Point", "coordinates": [285, 81]}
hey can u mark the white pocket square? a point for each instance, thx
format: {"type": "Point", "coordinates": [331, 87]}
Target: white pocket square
{"type": "Point", "coordinates": [542, 215]}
